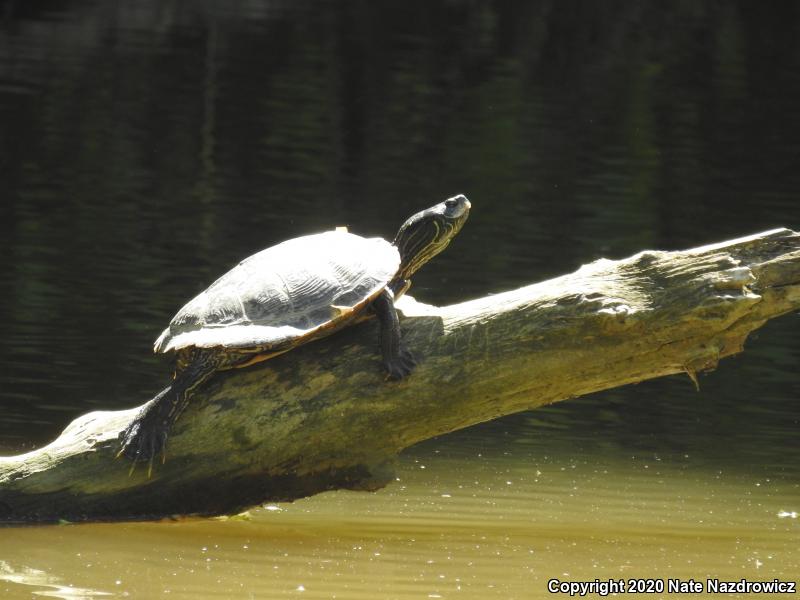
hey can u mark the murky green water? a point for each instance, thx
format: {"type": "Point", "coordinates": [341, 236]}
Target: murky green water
{"type": "Point", "coordinates": [146, 147]}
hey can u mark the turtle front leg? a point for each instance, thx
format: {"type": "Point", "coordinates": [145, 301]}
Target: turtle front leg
{"type": "Point", "coordinates": [398, 361]}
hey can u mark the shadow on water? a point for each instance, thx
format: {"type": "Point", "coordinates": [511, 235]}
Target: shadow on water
{"type": "Point", "coordinates": [146, 147]}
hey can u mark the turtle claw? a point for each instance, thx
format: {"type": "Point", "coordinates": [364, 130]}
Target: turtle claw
{"type": "Point", "coordinates": [400, 366]}
{"type": "Point", "coordinates": [144, 439]}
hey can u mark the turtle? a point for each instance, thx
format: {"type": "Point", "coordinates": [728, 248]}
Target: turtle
{"type": "Point", "coordinates": [292, 293]}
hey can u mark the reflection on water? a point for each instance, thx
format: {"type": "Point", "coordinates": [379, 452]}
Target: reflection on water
{"type": "Point", "coordinates": [43, 584]}
{"type": "Point", "coordinates": [146, 147]}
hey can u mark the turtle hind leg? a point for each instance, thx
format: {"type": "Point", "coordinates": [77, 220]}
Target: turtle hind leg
{"type": "Point", "coordinates": [139, 439]}
{"type": "Point", "coordinates": [146, 436]}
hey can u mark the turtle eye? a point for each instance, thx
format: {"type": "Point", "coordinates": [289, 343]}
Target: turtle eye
{"type": "Point", "coordinates": [451, 203]}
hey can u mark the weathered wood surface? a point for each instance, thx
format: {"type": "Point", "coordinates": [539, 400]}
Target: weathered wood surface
{"type": "Point", "coordinates": [323, 417]}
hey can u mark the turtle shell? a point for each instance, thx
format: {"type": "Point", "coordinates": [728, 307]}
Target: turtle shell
{"type": "Point", "coordinates": [287, 294]}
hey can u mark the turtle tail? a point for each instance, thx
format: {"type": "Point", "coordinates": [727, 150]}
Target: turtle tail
{"type": "Point", "coordinates": [146, 436]}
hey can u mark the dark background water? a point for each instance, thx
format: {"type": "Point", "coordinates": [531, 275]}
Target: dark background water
{"type": "Point", "coordinates": [147, 146]}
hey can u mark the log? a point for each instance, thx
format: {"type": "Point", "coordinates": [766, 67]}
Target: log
{"type": "Point", "coordinates": [323, 416]}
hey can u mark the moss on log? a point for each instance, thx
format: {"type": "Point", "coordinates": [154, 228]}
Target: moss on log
{"type": "Point", "coordinates": [323, 417]}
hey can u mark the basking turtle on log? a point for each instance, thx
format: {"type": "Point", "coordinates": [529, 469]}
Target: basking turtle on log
{"type": "Point", "coordinates": [319, 419]}
{"type": "Point", "coordinates": [297, 291]}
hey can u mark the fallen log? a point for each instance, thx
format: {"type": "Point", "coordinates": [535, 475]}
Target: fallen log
{"type": "Point", "coordinates": [322, 416]}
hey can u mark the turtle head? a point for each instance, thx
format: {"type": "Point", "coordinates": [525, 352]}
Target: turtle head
{"type": "Point", "coordinates": [427, 233]}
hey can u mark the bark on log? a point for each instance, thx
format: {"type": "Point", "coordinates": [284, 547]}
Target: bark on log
{"type": "Point", "coordinates": [323, 417]}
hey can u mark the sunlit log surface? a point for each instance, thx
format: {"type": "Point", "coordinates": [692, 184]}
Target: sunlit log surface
{"type": "Point", "coordinates": [322, 416]}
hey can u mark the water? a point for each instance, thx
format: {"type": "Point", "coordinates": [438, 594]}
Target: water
{"type": "Point", "coordinates": [146, 147]}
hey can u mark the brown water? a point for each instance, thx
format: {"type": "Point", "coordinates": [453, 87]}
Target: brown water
{"type": "Point", "coordinates": [145, 147]}
{"type": "Point", "coordinates": [496, 524]}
